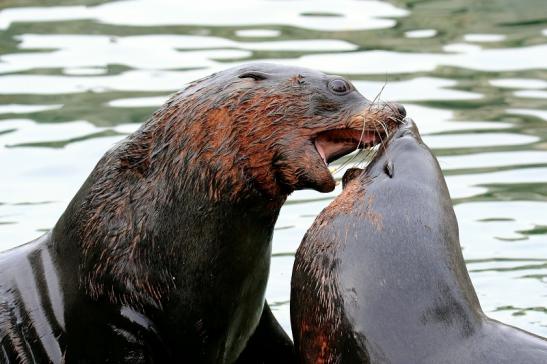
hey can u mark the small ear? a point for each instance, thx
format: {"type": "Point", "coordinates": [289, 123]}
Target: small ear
{"type": "Point", "coordinates": [255, 75]}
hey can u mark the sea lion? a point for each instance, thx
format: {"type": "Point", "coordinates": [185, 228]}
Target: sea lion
{"type": "Point", "coordinates": [163, 254]}
{"type": "Point", "coordinates": [380, 276]}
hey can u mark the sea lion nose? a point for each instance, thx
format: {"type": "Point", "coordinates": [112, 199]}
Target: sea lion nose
{"type": "Point", "coordinates": [399, 110]}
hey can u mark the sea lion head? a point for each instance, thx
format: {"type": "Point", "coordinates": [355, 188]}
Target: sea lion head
{"type": "Point", "coordinates": [237, 141]}
{"type": "Point", "coordinates": [274, 128]}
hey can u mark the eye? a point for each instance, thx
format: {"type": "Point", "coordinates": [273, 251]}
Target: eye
{"type": "Point", "coordinates": [339, 86]}
{"type": "Point", "coordinates": [255, 75]}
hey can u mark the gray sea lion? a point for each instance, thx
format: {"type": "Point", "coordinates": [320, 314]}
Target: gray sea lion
{"type": "Point", "coordinates": [163, 254]}
{"type": "Point", "coordinates": [380, 277]}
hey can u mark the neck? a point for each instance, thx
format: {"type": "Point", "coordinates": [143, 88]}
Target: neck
{"type": "Point", "coordinates": [412, 277]}
{"type": "Point", "coordinates": [135, 222]}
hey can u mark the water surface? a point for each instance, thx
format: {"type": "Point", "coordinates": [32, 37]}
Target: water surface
{"type": "Point", "coordinates": [77, 76]}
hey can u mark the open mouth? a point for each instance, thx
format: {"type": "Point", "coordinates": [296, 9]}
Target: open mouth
{"type": "Point", "coordinates": [334, 144]}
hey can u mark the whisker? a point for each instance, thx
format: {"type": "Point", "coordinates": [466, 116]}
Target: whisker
{"type": "Point", "coordinates": [377, 97]}
{"type": "Point", "coordinates": [347, 162]}
{"type": "Point", "coordinates": [363, 155]}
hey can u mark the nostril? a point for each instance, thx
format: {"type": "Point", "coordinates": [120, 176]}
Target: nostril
{"type": "Point", "coordinates": [401, 110]}
{"type": "Point", "coordinates": [398, 110]}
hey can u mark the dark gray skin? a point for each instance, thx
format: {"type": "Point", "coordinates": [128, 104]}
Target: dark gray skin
{"type": "Point", "coordinates": [380, 277]}
{"type": "Point", "coordinates": [163, 255]}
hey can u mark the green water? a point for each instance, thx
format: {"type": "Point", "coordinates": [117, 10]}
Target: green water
{"type": "Point", "coordinates": [76, 76]}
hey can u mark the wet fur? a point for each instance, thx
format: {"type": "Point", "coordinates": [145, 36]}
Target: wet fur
{"type": "Point", "coordinates": [380, 276]}
{"type": "Point", "coordinates": [163, 254]}
{"type": "Point", "coordinates": [230, 143]}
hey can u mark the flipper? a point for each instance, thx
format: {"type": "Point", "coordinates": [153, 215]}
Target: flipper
{"type": "Point", "coordinates": [269, 344]}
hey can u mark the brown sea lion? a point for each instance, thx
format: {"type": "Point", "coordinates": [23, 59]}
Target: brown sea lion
{"type": "Point", "coordinates": [163, 254]}
{"type": "Point", "coordinates": [380, 277]}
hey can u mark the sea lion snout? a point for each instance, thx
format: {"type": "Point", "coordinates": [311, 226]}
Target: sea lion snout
{"type": "Point", "coordinates": [385, 158]}
{"type": "Point", "coordinates": [398, 109]}
{"type": "Point", "coordinates": [408, 127]}
{"type": "Point", "coordinates": [401, 109]}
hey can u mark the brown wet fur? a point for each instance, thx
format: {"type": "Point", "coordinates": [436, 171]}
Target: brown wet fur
{"type": "Point", "coordinates": [227, 142]}
{"type": "Point", "coordinates": [163, 254]}
{"type": "Point", "coordinates": [321, 337]}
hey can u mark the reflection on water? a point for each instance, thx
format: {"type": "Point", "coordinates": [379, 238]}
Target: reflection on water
{"type": "Point", "coordinates": [78, 76]}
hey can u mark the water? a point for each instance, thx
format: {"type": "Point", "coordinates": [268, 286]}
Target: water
{"type": "Point", "coordinates": [78, 76]}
